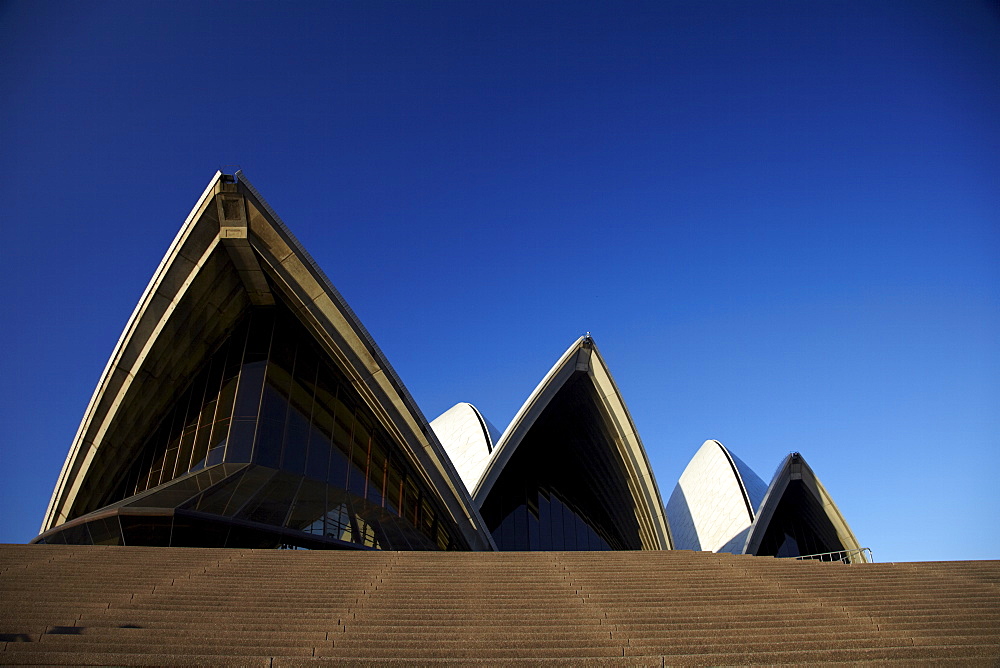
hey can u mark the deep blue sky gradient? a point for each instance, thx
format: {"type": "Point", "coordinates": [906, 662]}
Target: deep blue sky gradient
{"type": "Point", "coordinates": [779, 220]}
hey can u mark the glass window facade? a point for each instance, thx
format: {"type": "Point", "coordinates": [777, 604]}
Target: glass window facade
{"type": "Point", "coordinates": [269, 398]}
{"type": "Point", "coordinates": [799, 526]}
{"type": "Point", "coordinates": [245, 505]}
{"type": "Point", "coordinates": [565, 487]}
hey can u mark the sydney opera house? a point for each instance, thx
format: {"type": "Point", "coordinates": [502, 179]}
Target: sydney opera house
{"type": "Point", "coordinates": [245, 405]}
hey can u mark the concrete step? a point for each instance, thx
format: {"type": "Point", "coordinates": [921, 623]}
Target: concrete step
{"type": "Point", "coordinates": [204, 648]}
{"type": "Point", "coordinates": [105, 658]}
{"type": "Point", "coordinates": [230, 622]}
{"type": "Point", "coordinates": [144, 606]}
{"type": "Point", "coordinates": [499, 653]}
{"type": "Point", "coordinates": [265, 634]}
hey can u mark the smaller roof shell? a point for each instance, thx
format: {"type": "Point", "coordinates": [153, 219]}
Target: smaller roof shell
{"type": "Point", "coordinates": [468, 439]}
{"type": "Point", "coordinates": [713, 504]}
{"type": "Point", "coordinates": [795, 468]}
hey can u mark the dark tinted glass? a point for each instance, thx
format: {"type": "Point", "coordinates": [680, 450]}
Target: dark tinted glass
{"type": "Point", "coordinates": [799, 526]}
{"type": "Point", "coordinates": [565, 487]}
{"type": "Point", "coordinates": [146, 530]}
{"type": "Point", "coordinates": [322, 464]}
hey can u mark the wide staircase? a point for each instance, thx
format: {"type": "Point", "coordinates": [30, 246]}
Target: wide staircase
{"type": "Point", "coordinates": [174, 606]}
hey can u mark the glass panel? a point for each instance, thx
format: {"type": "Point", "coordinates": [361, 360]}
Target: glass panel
{"type": "Point", "coordinates": [253, 480]}
{"type": "Point", "coordinates": [272, 504]}
{"type": "Point", "coordinates": [337, 475]}
{"type": "Point", "coordinates": [309, 507]}
{"type": "Point", "coordinates": [556, 515]}
{"type": "Point", "coordinates": [411, 501]}
{"type": "Point", "coordinates": [582, 533]}
{"type": "Point", "coordinates": [248, 397]}
{"type": "Point", "coordinates": [506, 533]}
{"type": "Point", "coordinates": [521, 528]}
{"type": "Point", "coordinates": [297, 431]}
{"type": "Point", "coordinates": [321, 428]}
{"type": "Point", "coordinates": [427, 517]}
{"type": "Point", "coordinates": [145, 530]}
{"type": "Point", "coordinates": [188, 434]}
{"type": "Point", "coordinates": [376, 471]}
{"type": "Point", "coordinates": [259, 336]}
{"type": "Point", "coordinates": [241, 435]}
{"type": "Point", "coordinates": [214, 456]}
{"type": "Point", "coordinates": [106, 531]}
{"type": "Point", "coordinates": [318, 460]}
{"type": "Point", "coordinates": [174, 493]}
{"type": "Point", "coordinates": [141, 473]}
{"type": "Point", "coordinates": [269, 396]}
{"type": "Point", "coordinates": [224, 413]}
{"type": "Point", "coordinates": [534, 542]}
{"type": "Point", "coordinates": [271, 425]}
{"type": "Point", "coordinates": [357, 481]}
{"type": "Point", "coordinates": [77, 535]}
{"type": "Point", "coordinates": [215, 500]}
{"type": "Point", "coordinates": [544, 522]}
{"type": "Point", "coordinates": [198, 532]}
{"type": "Point", "coordinates": [208, 410]}
{"type": "Point", "coordinates": [57, 538]}
{"type": "Point", "coordinates": [393, 488]}
{"type": "Point", "coordinates": [442, 537]}
{"type": "Point", "coordinates": [300, 399]}
{"type": "Point", "coordinates": [366, 534]}
{"type": "Point", "coordinates": [391, 536]}
{"type": "Point", "coordinates": [337, 523]}
{"type": "Point", "coordinates": [340, 451]}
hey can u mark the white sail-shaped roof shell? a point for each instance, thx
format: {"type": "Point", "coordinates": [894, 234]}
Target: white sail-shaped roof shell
{"type": "Point", "coordinates": [713, 504]}
{"type": "Point", "coordinates": [468, 438]}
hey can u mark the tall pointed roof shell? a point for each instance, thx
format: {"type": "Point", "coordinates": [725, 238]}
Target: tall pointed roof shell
{"type": "Point", "coordinates": [583, 357]}
{"type": "Point", "coordinates": [173, 323]}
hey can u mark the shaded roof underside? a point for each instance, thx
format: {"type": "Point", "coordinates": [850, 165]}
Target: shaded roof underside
{"type": "Point", "coordinates": [798, 516]}
{"type": "Point", "coordinates": [579, 393]}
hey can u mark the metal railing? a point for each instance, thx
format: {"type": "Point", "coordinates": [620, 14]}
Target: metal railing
{"type": "Point", "coordinates": [859, 556]}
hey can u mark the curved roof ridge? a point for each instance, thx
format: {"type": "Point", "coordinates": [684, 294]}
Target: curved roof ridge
{"type": "Point", "coordinates": [753, 484]}
{"type": "Point", "coordinates": [489, 429]}
{"type": "Point", "coordinates": [76, 458]}
{"type": "Point", "coordinates": [439, 456]}
{"type": "Point", "coordinates": [739, 478]}
{"type": "Point", "coordinates": [528, 412]}
{"type": "Point", "coordinates": [339, 298]}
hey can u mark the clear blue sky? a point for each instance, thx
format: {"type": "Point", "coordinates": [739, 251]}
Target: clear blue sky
{"type": "Point", "coordinates": [779, 220]}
